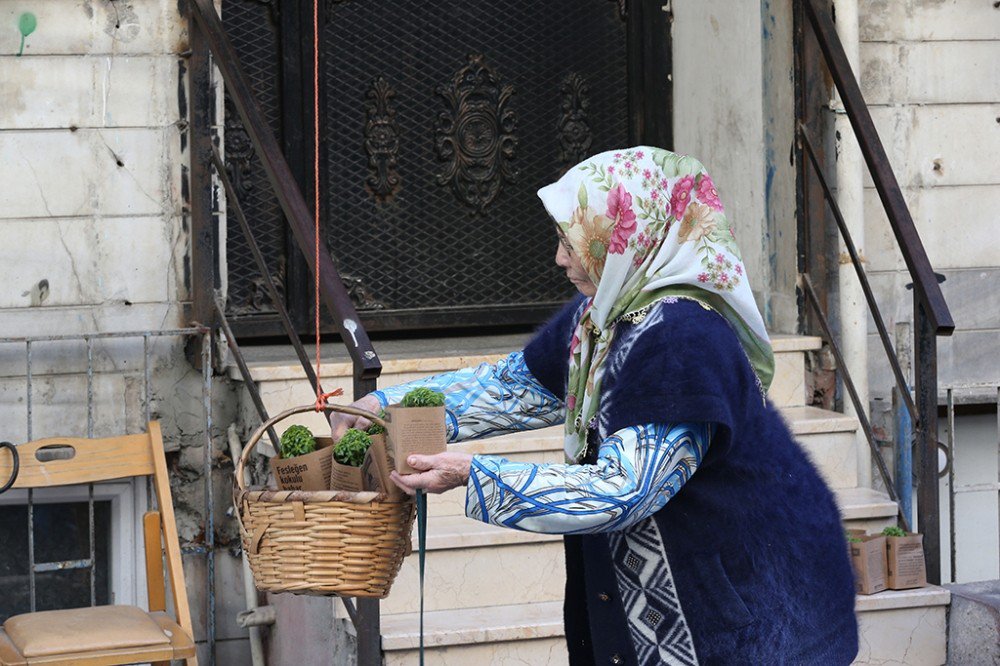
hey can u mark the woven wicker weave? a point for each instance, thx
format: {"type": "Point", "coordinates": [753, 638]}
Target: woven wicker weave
{"type": "Point", "coordinates": [321, 542]}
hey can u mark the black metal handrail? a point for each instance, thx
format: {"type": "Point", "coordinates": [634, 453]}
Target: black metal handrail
{"type": "Point", "coordinates": [208, 26]}
{"type": "Point", "coordinates": [208, 37]}
{"type": "Point", "coordinates": [931, 315]}
{"type": "Point", "coordinates": [924, 282]}
{"type": "Point", "coordinates": [856, 261]}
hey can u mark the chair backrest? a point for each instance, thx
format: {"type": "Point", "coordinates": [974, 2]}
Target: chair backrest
{"type": "Point", "coordinates": [67, 461]}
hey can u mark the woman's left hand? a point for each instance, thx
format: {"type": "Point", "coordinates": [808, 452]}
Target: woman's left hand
{"type": "Point", "coordinates": [438, 473]}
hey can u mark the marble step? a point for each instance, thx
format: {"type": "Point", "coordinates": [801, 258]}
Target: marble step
{"type": "Point", "coordinates": [830, 440]}
{"type": "Point", "coordinates": [865, 508]}
{"type": "Point", "coordinates": [470, 564]}
{"type": "Point", "coordinates": [521, 633]}
{"type": "Point", "coordinates": [282, 384]}
{"type": "Point", "coordinates": [467, 560]}
{"type": "Point", "coordinates": [788, 388]}
{"type": "Point", "coordinates": [904, 627]}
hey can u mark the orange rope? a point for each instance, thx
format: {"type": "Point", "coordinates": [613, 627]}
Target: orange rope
{"type": "Point", "coordinates": [320, 396]}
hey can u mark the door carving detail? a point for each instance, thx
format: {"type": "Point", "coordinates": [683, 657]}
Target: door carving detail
{"type": "Point", "coordinates": [575, 136]}
{"type": "Point", "coordinates": [381, 141]}
{"type": "Point", "coordinates": [475, 135]}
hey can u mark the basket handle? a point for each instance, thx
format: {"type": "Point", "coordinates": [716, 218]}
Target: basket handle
{"type": "Point", "coordinates": [259, 432]}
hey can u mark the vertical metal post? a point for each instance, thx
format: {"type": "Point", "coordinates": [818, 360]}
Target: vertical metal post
{"type": "Point", "coordinates": [929, 512]}
{"type": "Point", "coordinates": [206, 371]}
{"type": "Point", "coordinates": [147, 408]}
{"type": "Point", "coordinates": [31, 494]}
{"type": "Point", "coordinates": [951, 483]}
{"type": "Point", "coordinates": [203, 233]}
{"type": "Point", "coordinates": [27, 376]}
{"type": "Point", "coordinates": [904, 427]}
{"type": "Point", "coordinates": [368, 622]}
{"type": "Point", "coordinates": [90, 486]}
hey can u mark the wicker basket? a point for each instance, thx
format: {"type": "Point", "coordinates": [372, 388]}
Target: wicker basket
{"type": "Point", "coordinates": [321, 543]}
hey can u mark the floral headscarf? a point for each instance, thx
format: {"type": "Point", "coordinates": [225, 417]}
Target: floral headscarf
{"type": "Point", "coordinates": [647, 224]}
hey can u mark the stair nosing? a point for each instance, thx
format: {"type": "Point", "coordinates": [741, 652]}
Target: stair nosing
{"type": "Point", "coordinates": [396, 638]}
{"type": "Point", "coordinates": [477, 535]}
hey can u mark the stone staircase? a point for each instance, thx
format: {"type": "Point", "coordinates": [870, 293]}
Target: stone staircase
{"type": "Point", "coordinates": [494, 596]}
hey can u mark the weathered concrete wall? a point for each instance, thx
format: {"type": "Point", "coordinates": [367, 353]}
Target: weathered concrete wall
{"type": "Point", "coordinates": [733, 109]}
{"type": "Point", "coordinates": [93, 237]}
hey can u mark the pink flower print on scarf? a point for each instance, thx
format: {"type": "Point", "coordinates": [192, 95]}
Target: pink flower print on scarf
{"type": "Point", "coordinates": [707, 193]}
{"type": "Point", "coordinates": [620, 210]}
{"type": "Point", "coordinates": [681, 196]}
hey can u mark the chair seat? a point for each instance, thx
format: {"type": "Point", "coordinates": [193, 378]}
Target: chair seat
{"type": "Point", "coordinates": [104, 634]}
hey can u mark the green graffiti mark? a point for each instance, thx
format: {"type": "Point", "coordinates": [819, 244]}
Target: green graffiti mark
{"type": "Point", "coordinates": [26, 24]}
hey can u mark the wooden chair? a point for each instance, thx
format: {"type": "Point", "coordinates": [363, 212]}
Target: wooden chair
{"type": "Point", "coordinates": [106, 635]}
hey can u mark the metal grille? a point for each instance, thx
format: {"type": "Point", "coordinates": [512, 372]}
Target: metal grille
{"type": "Point", "coordinates": [426, 247]}
{"type": "Point", "coordinates": [253, 28]}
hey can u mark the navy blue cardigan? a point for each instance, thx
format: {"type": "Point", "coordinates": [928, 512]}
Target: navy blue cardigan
{"type": "Point", "coordinates": [754, 540]}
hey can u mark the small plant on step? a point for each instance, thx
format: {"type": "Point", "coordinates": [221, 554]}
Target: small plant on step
{"type": "Point", "coordinates": [297, 441]}
{"type": "Point", "coordinates": [351, 448]}
{"type": "Point", "coordinates": [423, 397]}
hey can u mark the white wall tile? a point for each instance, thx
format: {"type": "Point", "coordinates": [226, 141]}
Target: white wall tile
{"type": "Point", "coordinates": [90, 91]}
{"type": "Point", "coordinates": [931, 72]}
{"type": "Point", "coordinates": [94, 27]}
{"type": "Point", "coordinates": [89, 260]}
{"type": "Point", "coordinates": [90, 172]}
{"type": "Point", "coordinates": [896, 20]}
{"type": "Point", "coordinates": [954, 144]}
{"type": "Point", "coordinates": [959, 227]}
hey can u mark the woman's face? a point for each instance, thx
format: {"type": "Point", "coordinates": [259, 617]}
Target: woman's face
{"type": "Point", "coordinates": [567, 259]}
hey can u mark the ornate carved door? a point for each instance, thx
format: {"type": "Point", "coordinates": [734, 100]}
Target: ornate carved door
{"type": "Point", "coordinates": [440, 120]}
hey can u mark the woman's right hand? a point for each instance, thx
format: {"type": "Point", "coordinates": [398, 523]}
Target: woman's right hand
{"type": "Point", "coordinates": [339, 423]}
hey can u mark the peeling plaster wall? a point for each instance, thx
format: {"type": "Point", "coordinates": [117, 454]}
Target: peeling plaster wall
{"type": "Point", "coordinates": [93, 237]}
{"type": "Point", "coordinates": [734, 110]}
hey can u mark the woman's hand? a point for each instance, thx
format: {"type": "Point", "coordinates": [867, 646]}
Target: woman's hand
{"type": "Point", "coordinates": [438, 473]}
{"type": "Point", "coordinates": [339, 423]}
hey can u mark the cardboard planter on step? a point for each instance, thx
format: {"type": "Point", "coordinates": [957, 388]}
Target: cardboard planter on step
{"type": "Point", "coordinates": [308, 472]}
{"type": "Point", "coordinates": [905, 557]}
{"type": "Point", "coordinates": [414, 430]}
{"type": "Point", "coordinates": [868, 557]}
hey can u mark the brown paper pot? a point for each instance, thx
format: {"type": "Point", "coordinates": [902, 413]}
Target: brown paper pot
{"type": "Point", "coordinates": [346, 477]}
{"type": "Point", "coordinates": [868, 557]}
{"type": "Point", "coordinates": [376, 470]}
{"type": "Point", "coordinates": [308, 472]}
{"type": "Point", "coordinates": [414, 430]}
{"type": "Point", "coordinates": [905, 556]}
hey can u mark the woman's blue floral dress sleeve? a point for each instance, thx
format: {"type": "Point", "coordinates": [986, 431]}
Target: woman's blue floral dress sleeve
{"type": "Point", "coordinates": [491, 399]}
{"type": "Point", "coordinates": [638, 470]}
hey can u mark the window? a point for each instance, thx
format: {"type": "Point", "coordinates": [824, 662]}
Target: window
{"type": "Point", "coordinates": [60, 531]}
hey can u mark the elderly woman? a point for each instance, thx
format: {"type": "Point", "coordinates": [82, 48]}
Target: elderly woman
{"type": "Point", "coordinates": [696, 530]}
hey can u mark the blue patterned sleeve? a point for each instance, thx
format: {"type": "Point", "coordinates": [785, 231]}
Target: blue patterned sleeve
{"type": "Point", "coordinates": [491, 399]}
{"type": "Point", "coordinates": [638, 470]}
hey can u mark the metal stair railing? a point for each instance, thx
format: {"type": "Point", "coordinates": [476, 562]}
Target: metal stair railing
{"type": "Point", "coordinates": [209, 44]}
{"type": "Point", "coordinates": [931, 315]}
